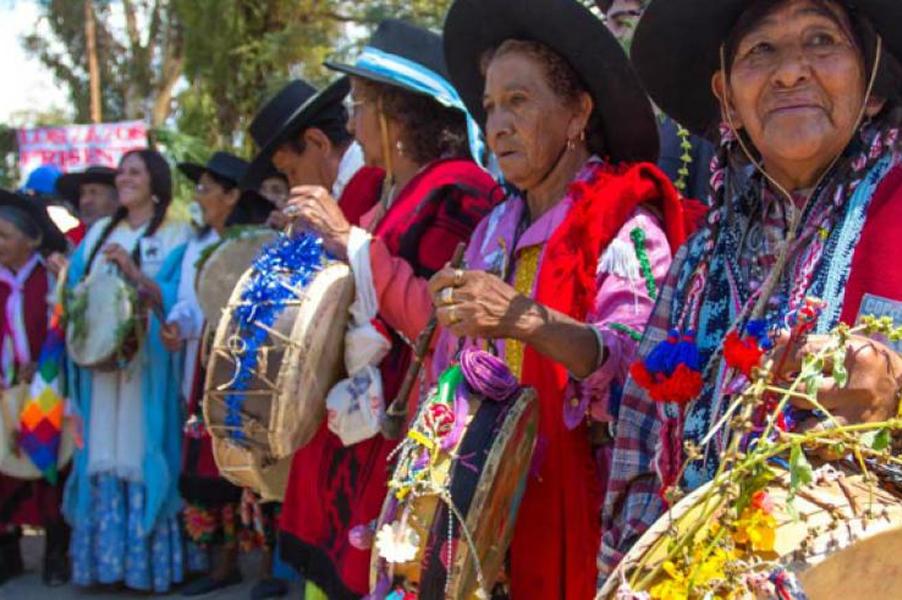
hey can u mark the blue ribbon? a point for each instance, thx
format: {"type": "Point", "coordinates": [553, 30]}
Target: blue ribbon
{"type": "Point", "coordinates": [426, 81]}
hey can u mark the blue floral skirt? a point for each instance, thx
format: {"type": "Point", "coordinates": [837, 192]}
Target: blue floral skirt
{"type": "Point", "coordinates": [112, 546]}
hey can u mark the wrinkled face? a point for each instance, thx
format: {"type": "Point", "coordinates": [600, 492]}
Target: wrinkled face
{"type": "Point", "coordinates": [301, 168]}
{"type": "Point", "coordinates": [215, 202]}
{"type": "Point", "coordinates": [133, 182]}
{"type": "Point", "coordinates": [797, 84]}
{"type": "Point", "coordinates": [95, 201]}
{"type": "Point", "coordinates": [363, 123]}
{"type": "Point", "coordinates": [527, 123]}
{"type": "Point", "coordinates": [15, 247]}
{"type": "Point", "coordinates": [275, 189]}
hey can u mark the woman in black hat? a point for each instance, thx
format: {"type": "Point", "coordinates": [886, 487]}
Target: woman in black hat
{"type": "Point", "coordinates": [212, 511]}
{"type": "Point", "coordinates": [410, 124]}
{"type": "Point", "coordinates": [26, 235]}
{"type": "Point", "coordinates": [562, 275]}
{"type": "Point", "coordinates": [122, 498]}
{"type": "Point", "coordinates": [807, 194]}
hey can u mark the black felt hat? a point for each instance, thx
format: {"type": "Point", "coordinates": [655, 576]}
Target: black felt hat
{"type": "Point", "coordinates": [295, 107]}
{"type": "Point", "coordinates": [676, 51]}
{"type": "Point", "coordinates": [252, 206]}
{"type": "Point", "coordinates": [222, 164]}
{"type": "Point", "coordinates": [401, 39]}
{"type": "Point", "coordinates": [473, 27]}
{"type": "Point", "coordinates": [69, 185]}
{"type": "Point", "coordinates": [52, 239]}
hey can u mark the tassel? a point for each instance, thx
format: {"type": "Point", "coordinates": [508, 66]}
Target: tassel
{"type": "Point", "coordinates": [672, 371]}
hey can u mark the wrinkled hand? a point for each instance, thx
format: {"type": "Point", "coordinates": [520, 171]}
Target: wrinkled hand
{"type": "Point", "coordinates": [57, 263]}
{"type": "Point", "coordinates": [117, 255]}
{"type": "Point", "coordinates": [315, 210]}
{"type": "Point", "coordinates": [171, 336]}
{"type": "Point", "coordinates": [483, 306]}
{"type": "Point", "coordinates": [870, 392]}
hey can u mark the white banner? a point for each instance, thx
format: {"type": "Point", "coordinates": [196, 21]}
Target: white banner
{"type": "Point", "coordinates": [76, 147]}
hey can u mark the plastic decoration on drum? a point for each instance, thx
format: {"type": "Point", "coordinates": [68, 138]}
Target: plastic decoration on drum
{"type": "Point", "coordinates": [790, 513]}
{"type": "Point", "coordinates": [276, 353]}
{"type": "Point", "coordinates": [448, 519]}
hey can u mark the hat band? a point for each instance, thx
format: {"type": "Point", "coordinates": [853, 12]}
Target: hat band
{"type": "Point", "coordinates": [415, 76]}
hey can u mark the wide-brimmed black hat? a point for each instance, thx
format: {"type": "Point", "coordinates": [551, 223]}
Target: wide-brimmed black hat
{"type": "Point", "coordinates": [473, 27]}
{"type": "Point", "coordinates": [225, 165]}
{"type": "Point", "coordinates": [35, 209]}
{"type": "Point", "coordinates": [222, 164]}
{"type": "Point", "coordinates": [296, 106]}
{"type": "Point", "coordinates": [68, 186]}
{"type": "Point", "coordinates": [401, 39]}
{"type": "Point", "coordinates": [676, 50]}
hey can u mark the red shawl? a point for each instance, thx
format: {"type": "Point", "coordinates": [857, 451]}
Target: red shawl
{"type": "Point", "coordinates": [331, 488]}
{"type": "Point", "coordinates": [875, 264]}
{"type": "Point", "coordinates": [558, 528]}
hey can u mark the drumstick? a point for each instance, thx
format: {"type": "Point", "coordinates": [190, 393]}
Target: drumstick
{"type": "Point", "coordinates": [396, 414]}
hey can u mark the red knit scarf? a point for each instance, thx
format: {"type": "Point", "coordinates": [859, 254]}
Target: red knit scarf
{"type": "Point", "coordinates": [558, 528]}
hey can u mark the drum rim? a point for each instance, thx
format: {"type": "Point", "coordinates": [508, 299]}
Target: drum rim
{"type": "Point", "coordinates": [130, 313]}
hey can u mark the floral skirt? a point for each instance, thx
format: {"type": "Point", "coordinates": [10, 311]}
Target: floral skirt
{"type": "Point", "coordinates": [112, 546]}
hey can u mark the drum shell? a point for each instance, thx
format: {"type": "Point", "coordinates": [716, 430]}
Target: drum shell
{"type": "Point", "coordinates": [298, 365]}
{"type": "Point", "coordinates": [18, 465]}
{"type": "Point", "coordinates": [488, 499]}
{"type": "Point", "coordinates": [219, 274]}
{"type": "Point", "coordinates": [857, 558]}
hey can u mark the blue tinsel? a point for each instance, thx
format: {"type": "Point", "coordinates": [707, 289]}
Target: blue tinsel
{"type": "Point", "coordinates": [287, 261]}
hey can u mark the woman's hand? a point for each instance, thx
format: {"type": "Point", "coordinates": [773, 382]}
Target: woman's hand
{"type": "Point", "coordinates": [117, 255]}
{"type": "Point", "coordinates": [480, 305]}
{"type": "Point", "coordinates": [171, 336]}
{"type": "Point", "coordinates": [57, 263]}
{"type": "Point", "coordinates": [477, 304]}
{"type": "Point", "coordinates": [871, 390]}
{"type": "Point", "coordinates": [315, 209]}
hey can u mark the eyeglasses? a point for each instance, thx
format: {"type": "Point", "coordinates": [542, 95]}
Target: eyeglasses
{"type": "Point", "coordinates": [354, 105]}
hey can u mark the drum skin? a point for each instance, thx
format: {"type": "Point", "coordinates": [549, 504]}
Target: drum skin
{"type": "Point", "coordinates": [297, 365]}
{"type": "Point", "coordinates": [110, 306]}
{"type": "Point", "coordinates": [220, 272]}
{"type": "Point", "coordinates": [17, 464]}
{"type": "Point", "coordinates": [486, 487]}
{"type": "Point", "coordinates": [857, 555]}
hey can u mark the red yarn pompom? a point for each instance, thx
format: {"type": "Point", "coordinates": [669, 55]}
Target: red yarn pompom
{"type": "Point", "coordinates": [742, 354]}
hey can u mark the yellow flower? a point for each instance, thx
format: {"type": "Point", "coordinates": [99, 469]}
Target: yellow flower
{"type": "Point", "coordinates": [757, 529]}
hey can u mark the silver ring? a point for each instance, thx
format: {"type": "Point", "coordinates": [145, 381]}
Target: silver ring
{"type": "Point", "coordinates": [447, 296]}
{"type": "Point", "coordinates": [291, 211]}
{"type": "Point", "coordinates": [458, 277]}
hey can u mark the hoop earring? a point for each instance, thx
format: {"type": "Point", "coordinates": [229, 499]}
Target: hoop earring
{"type": "Point", "coordinates": [400, 146]}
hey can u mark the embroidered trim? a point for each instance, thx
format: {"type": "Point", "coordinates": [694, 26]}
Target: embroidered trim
{"type": "Point", "coordinates": [524, 279]}
{"type": "Point", "coordinates": [850, 233]}
{"type": "Point", "coordinates": [639, 239]}
{"type": "Point", "coordinates": [633, 334]}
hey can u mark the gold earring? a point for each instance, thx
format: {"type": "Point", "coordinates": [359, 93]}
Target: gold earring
{"type": "Point", "coordinates": [571, 144]}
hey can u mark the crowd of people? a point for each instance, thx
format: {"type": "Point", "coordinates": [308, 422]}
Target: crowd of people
{"type": "Point", "coordinates": [690, 169]}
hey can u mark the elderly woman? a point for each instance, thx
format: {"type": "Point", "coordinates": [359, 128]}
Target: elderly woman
{"type": "Point", "coordinates": [415, 128]}
{"type": "Point", "coordinates": [26, 235]}
{"type": "Point", "coordinates": [122, 497]}
{"type": "Point", "coordinates": [807, 200]}
{"type": "Point", "coordinates": [561, 277]}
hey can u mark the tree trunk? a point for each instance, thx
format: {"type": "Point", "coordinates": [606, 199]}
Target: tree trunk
{"type": "Point", "coordinates": [93, 64]}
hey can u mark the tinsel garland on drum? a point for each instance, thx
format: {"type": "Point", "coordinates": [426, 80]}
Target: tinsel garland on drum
{"type": "Point", "coordinates": [454, 495]}
{"type": "Point", "coordinates": [263, 300]}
